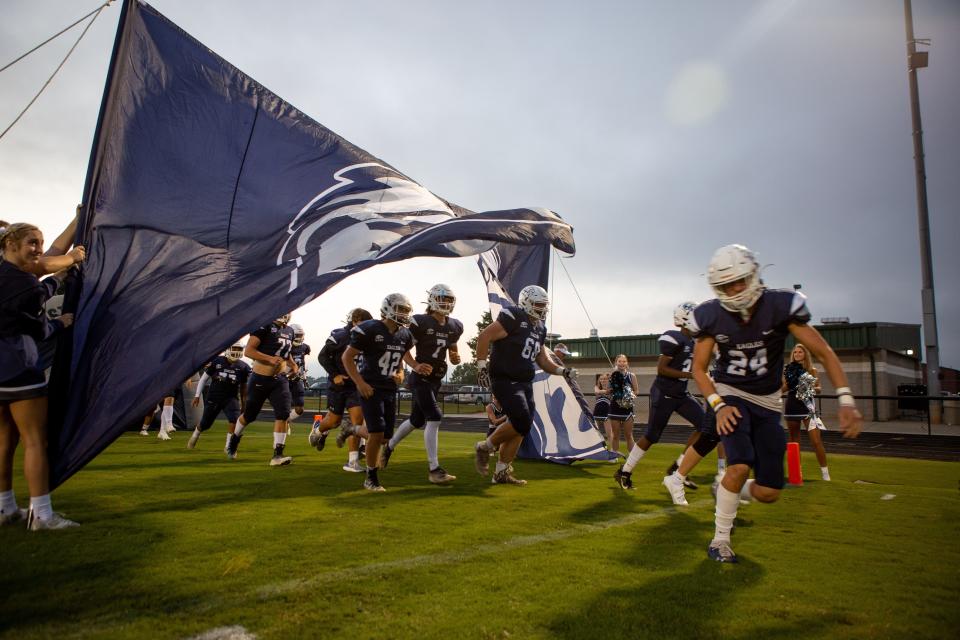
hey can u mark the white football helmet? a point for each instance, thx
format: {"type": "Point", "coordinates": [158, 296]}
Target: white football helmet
{"type": "Point", "coordinates": [682, 312]}
{"type": "Point", "coordinates": [235, 352]}
{"type": "Point", "coordinates": [282, 320]}
{"type": "Point", "coordinates": [297, 334]}
{"type": "Point", "coordinates": [396, 307]}
{"type": "Point", "coordinates": [534, 301]}
{"type": "Point", "coordinates": [440, 299]}
{"type": "Point", "coordinates": [732, 263]}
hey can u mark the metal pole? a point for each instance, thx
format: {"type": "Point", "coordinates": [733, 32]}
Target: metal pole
{"type": "Point", "coordinates": [926, 264]}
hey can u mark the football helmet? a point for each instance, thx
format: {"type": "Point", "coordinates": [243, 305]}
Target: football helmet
{"type": "Point", "coordinates": [682, 312]}
{"type": "Point", "coordinates": [235, 352]}
{"type": "Point", "coordinates": [732, 263]}
{"type": "Point", "coordinates": [534, 301]}
{"type": "Point", "coordinates": [282, 320]}
{"type": "Point", "coordinates": [297, 334]}
{"type": "Point", "coordinates": [396, 307]}
{"type": "Point", "coordinates": [440, 299]}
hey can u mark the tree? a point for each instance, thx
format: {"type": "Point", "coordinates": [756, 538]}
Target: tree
{"type": "Point", "coordinates": [466, 373]}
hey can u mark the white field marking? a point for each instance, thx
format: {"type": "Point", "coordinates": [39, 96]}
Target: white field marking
{"type": "Point", "coordinates": [455, 557]}
{"type": "Point", "coordinates": [236, 632]}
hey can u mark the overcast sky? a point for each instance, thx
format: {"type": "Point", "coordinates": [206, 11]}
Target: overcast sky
{"type": "Point", "coordinates": [659, 130]}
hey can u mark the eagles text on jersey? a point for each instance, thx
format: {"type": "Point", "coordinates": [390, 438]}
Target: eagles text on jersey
{"type": "Point", "coordinates": [382, 352]}
{"type": "Point", "coordinates": [433, 339]}
{"type": "Point", "coordinates": [514, 357]}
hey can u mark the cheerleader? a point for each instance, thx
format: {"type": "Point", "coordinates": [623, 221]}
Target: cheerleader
{"type": "Point", "coordinates": [601, 408]}
{"type": "Point", "coordinates": [623, 391]}
{"type": "Point", "coordinates": [798, 407]}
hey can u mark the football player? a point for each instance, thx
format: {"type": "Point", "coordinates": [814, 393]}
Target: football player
{"type": "Point", "coordinates": [299, 352]}
{"type": "Point", "coordinates": [342, 392]}
{"type": "Point", "coordinates": [269, 347]}
{"type": "Point", "coordinates": [435, 333]}
{"type": "Point", "coordinates": [749, 324]}
{"type": "Point", "coordinates": [668, 393]}
{"type": "Point", "coordinates": [228, 376]}
{"type": "Point", "coordinates": [383, 346]}
{"type": "Point", "coordinates": [515, 345]}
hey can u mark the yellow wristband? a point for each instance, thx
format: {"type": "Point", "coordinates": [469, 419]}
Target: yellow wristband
{"type": "Point", "coordinates": [714, 399]}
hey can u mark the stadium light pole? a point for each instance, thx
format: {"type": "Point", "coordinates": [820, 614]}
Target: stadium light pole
{"type": "Point", "coordinates": [918, 60]}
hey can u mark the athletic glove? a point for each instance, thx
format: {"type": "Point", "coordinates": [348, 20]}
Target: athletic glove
{"type": "Point", "coordinates": [483, 376]}
{"type": "Point", "coordinates": [569, 373]}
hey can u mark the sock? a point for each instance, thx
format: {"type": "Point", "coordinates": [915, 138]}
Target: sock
{"type": "Point", "coordinates": [228, 438]}
{"type": "Point", "coordinates": [721, 465]}
{"type": "Point", "coordinates": [489, 446]}
{"type": "Point", "coordinates": [238, 430]}
{"type": "Point", "coordinates": [680, 475]}
{"type": "Point", "coordinates": [166, 418]}
{"type": "Point", "coordinates": [402, 432]}
{"type": "Point", "coordinates": [635, 454]}
{"type": "Point", "coordinates": [727, 503]}
{"type": "Point", "coordinates": [501, 466]}
{"type": "Point", "coordinates": [745, 493]}
{"type": "Point", "coordinates": [41, 507]}
{"type": "Point", "coordinates": [279, 438]}
{"type": "Point", "coordinates": [294, 414]}
{"type": "Point", "coordinates": [431, 437]}
{"type": "Point", "coordinates": [824, 472]}
{"type": "Point", "coordinates": [353, 456]}
{"type": "Point", "coordinates": [679, 459]}
{"type": "Point", "coordinates": [196, 431]}
{"type": "Point", "coordinates": [8, 502]}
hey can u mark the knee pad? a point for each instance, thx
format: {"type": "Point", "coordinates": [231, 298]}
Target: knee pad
{"type": "Point", "coordinates": [706, 443]}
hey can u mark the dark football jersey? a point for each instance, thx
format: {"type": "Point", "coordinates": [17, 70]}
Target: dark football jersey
{"type": "Point", "coordinates": [299, 355]}
{"type": "Point", "coordinates": [514, 357]}
{"type": "Point", "coordinates": [381, 352]}
{"type": "Point", "coordinates": [679, 348]}
{"type": "Point", "coordinates": [274, 340]}
{"type": "Point", "coordinates": [433, 339]}
{"type": "Point", "coordinates": [751, 353]}
{"type": "Point", "coordinates": [226, 378]}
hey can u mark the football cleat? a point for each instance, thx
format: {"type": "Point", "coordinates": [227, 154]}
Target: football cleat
{"type": "Point", "coordinates": [354, 467]}
{"type": "Point", "coordinates": [56, 521]}
{"type": "Point", "coordinates": [278, 459]}
{"type": "Point", "coordinates": [439, 476]}
{"type": "Point", "coordinates": [622, 478]}
{"type": "Point", "coordinates": [720, 551]}
{"type": "Point", "coordinates": [672, 468]}
{"type": "Point", "coordinates": [506, 477]}
{"type": "Point", "coordinates": [482, 457]}
{"type": "Point", "coordinates": [346, 430]}
{"type": "Point", "coordinates": [373, 485]}
{"type": "Point", "coordinates": [232, 446]}
{"type": "Point", "coordinates": [385, 454]}
{"type": "Point", "coordinates": [13, 517]}
{"type": "Point", "coordinates": [144, 432]}
{"type": "Point", "coordinates": [163, 435]}
{"type": "Point", "coordinates": [825, 475]}
{"type": "Point", "coordinates": [192, 442]}
{"type": "Point", "coordinates": [690, 484]}
{"type": "Point", "coordinates": [317, 439]}
{"type": "Point", "coordinates": [674, 485]}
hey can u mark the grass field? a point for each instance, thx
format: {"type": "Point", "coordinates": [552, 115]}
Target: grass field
{"type": "Point", "coordinates": [175, 543]}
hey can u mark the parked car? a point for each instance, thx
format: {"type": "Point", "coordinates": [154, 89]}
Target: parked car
{"type": "Point", "coordinates": [471, 395]}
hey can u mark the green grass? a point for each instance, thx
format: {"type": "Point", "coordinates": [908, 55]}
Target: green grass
{"type": "Point", "coordinates": [177, 542]}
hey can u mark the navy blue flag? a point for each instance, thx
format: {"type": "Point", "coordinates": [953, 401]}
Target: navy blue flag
{"type": "Point", "coordinates": [563, 429]}
{"type": "Point", "coordinates": [211, 207]}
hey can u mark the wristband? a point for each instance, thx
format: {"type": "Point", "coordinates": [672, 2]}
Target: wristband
{"type": "Point", "coordinates": [714, 399]}
{"type": "Point", "coordinates": [720, 405]}
{"type": "Point", "coordinates": [846, 400]}
{"type": "Point", "coordinates": [844, 391]}
{"type": "Point", "coordinates": [481, 363]}
{"type": "Point", "coordinates": [559, 371]}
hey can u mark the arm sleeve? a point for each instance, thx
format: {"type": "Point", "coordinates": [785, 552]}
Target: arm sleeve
{"type": "Point", "coordinates": [204, 379]}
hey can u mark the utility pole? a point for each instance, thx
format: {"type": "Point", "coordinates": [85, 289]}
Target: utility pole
{"type": "Point", "coordinates": [918, 60]}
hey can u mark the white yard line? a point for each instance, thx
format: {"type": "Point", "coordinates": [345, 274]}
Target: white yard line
{"type": "Point", "coordinates": [454, 557]}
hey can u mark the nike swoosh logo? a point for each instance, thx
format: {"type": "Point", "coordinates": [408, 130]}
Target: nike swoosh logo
{"type": "Point", "coordinates": [766, 333]}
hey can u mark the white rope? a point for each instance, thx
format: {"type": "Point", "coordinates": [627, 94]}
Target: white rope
{"type": "Point", "coordinates": [587, 313]}
{"type": "Point", "coordinates": [95, 14]}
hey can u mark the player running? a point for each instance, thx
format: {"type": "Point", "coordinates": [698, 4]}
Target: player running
{"type": "Point", "coordinates": [299, 353]}
{"type": "Point", "coordinates": [434, 333]}
{"type": "Point", "coordinates": [228, 376]}
{"type": "Point", "coordinates": [515, 344]}
{"type": "Point", "coordinates": [383, 346]}
{"type": "Point", "coordinates": [342, 393]}
{"type": "Point", "coordinates": [269, 348]}
{"type": "Point", "coordinates": [668, 394]}
{"type": "Point", "coordinates": [749, 325]}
